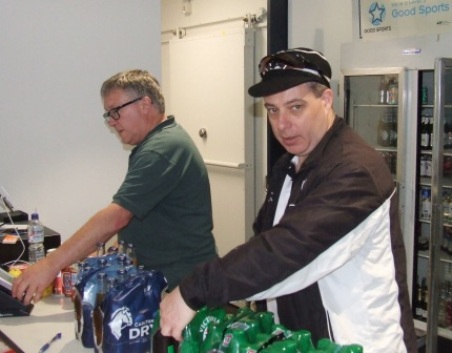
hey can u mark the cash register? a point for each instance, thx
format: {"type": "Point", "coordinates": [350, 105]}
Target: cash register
{"type": "Point", "coordinates": [10, 306]}
{"type": "Point", "coordinates": [14, 224]}
{"type": "Point", "coordinates": [11, 252]}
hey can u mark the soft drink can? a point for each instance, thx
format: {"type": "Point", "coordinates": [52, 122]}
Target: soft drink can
{"type": "Point", "coordinates": [58, 284]}
{"type": "Point", "coordinates": [69, 276]}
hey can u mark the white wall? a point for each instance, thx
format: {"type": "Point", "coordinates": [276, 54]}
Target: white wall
{"type": "Point", "coordinates": [57, 155]}
{"type": "Point", "coordinates": [211, 15]}
{"type": "Point", "coordinates": [201, 83]}
{"type": "Point", "coordinates": [206, 11]}
{"type": "Point", "coordinates": [323, 25]}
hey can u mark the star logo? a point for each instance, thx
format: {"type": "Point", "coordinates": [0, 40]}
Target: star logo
{"type": "Point", "coordinates": [377, 13]}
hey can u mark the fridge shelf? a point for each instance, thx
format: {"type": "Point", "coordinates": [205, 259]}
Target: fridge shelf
{"type": "Point", "coordinates": [446, 333]}
{"type": "Point", "coordinates": [427, 221]}
{"type": "Point", "coordinates": [427, 152]}
{"type": "Point", "coordinates": [446, 153]}
{"type": "Point", "coordinates": [446, 258]}
{"type": "Point", "coordinates": [443, 332]}
{"type": "Point", "coordinates": [385, 149]}
{"type": "Point", "coordinates": [374, 105]}
{"type": "Point", "coordinates": [426, 181]}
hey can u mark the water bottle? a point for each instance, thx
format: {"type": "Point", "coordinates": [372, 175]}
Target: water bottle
{"type": "Point", "coordinates": [100, 249]}
{"type": "Point", "coordinates": [131, 253]}
{"type": "Point", "coordinates": [36, 250]}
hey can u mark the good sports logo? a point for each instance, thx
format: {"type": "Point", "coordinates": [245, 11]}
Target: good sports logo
{"type": "Point", "coordinates": [376, 16]}
{"type": "Point", "coordinates": [377, 13]}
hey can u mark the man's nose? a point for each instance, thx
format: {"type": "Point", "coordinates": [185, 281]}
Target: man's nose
{"type": "Point", "coordinates": [283, 121]}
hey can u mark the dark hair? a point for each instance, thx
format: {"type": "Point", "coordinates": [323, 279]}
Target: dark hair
{"type": "Point", "coordinates": [140, 82]}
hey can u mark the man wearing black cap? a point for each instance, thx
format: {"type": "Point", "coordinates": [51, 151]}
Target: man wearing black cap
{"type": "Point", "coordinates": [328, 254]}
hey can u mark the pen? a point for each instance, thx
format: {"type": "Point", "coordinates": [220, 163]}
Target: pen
{"type": "Point", "coordinates": [47, 345]}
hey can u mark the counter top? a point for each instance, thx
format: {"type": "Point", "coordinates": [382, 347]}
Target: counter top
{"type": "Point", "coordinates": [49, 316]}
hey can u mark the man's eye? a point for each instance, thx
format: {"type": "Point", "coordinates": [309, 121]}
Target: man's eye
{"type": "Point", "coordinates": [271, 110]}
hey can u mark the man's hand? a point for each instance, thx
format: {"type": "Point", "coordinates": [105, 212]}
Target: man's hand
{"type": "Point", "coordinates": [33, 281]}
{"type": "Point", "coordinates": [174, 314]}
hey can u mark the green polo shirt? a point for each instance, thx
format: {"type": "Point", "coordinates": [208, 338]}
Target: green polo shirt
{"type": "Point", "coordinates": [167, 190]}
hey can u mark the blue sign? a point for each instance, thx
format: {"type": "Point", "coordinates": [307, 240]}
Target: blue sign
{"type": "Point", "coordinates": [401, 18]}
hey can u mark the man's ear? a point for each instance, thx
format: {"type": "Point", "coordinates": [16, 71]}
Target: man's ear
{"type": "Point", "coordinates": [146, 103]}
{"type": "Point", "coordinates": [328, 97]}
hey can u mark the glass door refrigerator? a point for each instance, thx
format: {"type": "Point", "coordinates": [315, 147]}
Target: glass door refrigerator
{"type": "Point", "coordinates": [406, 115]}
{"type": "Point", "coordinates": [432, 291]}
{"type": "Point", "coordinates": [372, 108]}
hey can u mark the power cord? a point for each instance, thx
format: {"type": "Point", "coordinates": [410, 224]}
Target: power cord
{"type": "Point", "coordinates": [13, 262]}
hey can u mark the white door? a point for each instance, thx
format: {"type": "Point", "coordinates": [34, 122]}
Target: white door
{"type": "Point", "coordinates": [209, 76]}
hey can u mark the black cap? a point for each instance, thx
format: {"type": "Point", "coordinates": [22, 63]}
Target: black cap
{"type": "Point", "coordinates": [289, 68]}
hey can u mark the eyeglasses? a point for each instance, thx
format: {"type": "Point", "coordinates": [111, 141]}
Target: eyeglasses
{"type": "Point", "coordinates": [286, 61]}
{"type": "Point", "coordinates": [114, 112]}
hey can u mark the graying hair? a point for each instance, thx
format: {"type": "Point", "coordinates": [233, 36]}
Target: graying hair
{"type": "Point", "coordinates": [317, 88]}
{"type": "Point", "coordinates": [137, 81]}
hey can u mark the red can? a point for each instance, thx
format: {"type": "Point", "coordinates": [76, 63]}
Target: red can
{"type": "Point", "coordinates": [58, 284]}
{"type": "Point", "coordinates": [69, 276]}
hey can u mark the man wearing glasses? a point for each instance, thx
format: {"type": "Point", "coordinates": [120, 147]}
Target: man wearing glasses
{"type": "Point", "coordinates": [163, 206]}
{"type": "Point", "coordinates": [328, 255]}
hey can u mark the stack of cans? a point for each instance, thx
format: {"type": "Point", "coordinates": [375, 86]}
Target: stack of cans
{"type": "Point", "coordinates": [247, 331]}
